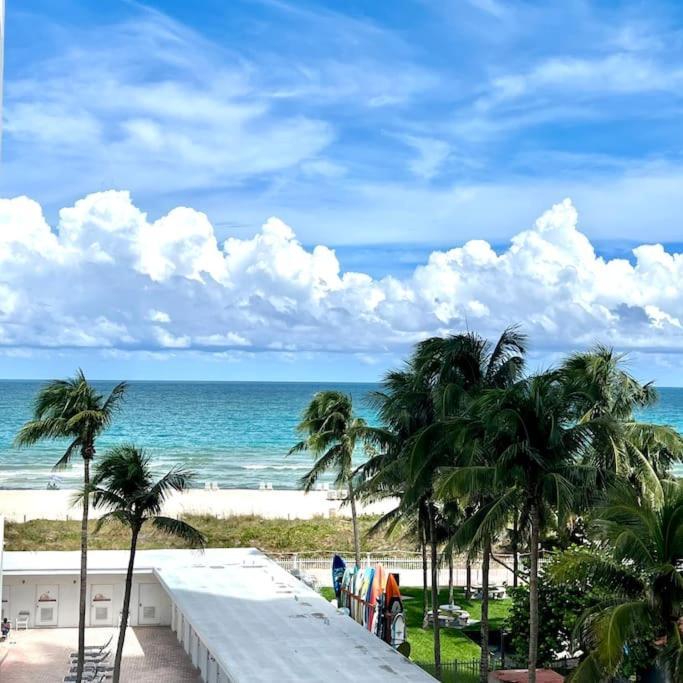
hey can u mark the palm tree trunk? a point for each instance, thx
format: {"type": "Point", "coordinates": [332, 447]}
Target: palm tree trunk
{"type": "Point", "coordinates": [425, 583]}
{"type": "Point", "coordinates": [354, 520]}
{"type": "Point", "coordinates": [484, 662]}
{"type": "Point", "coordinates": [82, 599]}
{"type": "Point", "coordinates": [435, 593]}
{"type": "Point", "coordinates": [450, 578]}
{"type": "Point", "coordinates": [468, 579]}
{"type": "Point", "coordinates": [533, 589]}
{"type": "Point", "coordinates": [125, 609]}
{"type": "Point", "coordinates": [515, 550]}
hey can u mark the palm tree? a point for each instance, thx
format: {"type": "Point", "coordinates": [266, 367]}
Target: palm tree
{"type": "Point", "coordinates": [404, 407]}
{"type": "Point", "coordinates": [539, 450]}
{"type": "Point", "coordinates": [123, 485]}
{"type": "Point", "coordinates": [601, 390]}
{"type": "Point", "coordinates": [73, 409]}
{"type": "Point", "coordinates": [459, 368]}
{"type": "Point", "coordinates": [331, 432]}
{"type": "Point", "coordinates": [636, 567]}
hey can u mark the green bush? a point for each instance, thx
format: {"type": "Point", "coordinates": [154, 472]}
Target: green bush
{"type": "Point", "coordinates": [560, 605]}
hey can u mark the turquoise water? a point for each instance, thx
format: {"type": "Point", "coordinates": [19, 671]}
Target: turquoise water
{"type": "Point", "coordinates": [234, 433]}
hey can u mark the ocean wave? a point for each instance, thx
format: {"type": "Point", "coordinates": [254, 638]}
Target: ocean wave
{"type": "Point", "coordinates": [275, 467]}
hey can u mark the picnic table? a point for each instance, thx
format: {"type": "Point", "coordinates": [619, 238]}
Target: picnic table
{"type": "Point", "coordinates": [495, 592]}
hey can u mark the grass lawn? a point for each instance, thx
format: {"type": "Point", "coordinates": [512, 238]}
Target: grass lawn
{"type": "Point", "coordinates": [455, 644]}
{"type": "Point", "coordinates": [270, 535]}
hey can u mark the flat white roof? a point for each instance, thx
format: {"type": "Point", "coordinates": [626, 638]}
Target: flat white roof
{"type": "Point", "coordinates": [103, 561]}
{"type": "Point", "coordinates": [256, 619]}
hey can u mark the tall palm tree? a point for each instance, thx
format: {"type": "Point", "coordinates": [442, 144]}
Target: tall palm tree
{"type": "Point", "coordinates": [405, 407]}
{"type": "Point", "coordinates": [459, 368]}
{"type": "Point", "coordinates": [73, 409]}
{"type": "Point", "coordinates": [331, 433]}
{"type": "Point", "coordinates": [601, 389]}
{"type": "Point", "coordinates": [124, 486]}
{"type": "Point", "coordinates": [636, 567]}
{"type": "Point", "coordinates": [540, 449]}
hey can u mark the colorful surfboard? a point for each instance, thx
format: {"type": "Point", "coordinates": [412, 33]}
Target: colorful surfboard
{"type": "Point", "coordinates": [338, 570]}
{"type": "Point", "coordinates": [367, 591]}
{"type": "Point", "coordinates": [393, 604]}
{"type": "Point", "coordinates": [376, 590]}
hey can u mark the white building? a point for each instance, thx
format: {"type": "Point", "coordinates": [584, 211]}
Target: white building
{"type": "Point", "coordinates": [239, 615]}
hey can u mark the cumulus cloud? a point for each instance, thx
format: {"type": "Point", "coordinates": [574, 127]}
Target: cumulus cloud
{"type": "Point", "coordinates": [107, 277]}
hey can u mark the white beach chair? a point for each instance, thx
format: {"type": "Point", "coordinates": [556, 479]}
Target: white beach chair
{"type": "Point", "coordinates": [269, 486]}
{"type": "Point", "coordinates": [22, 620]}
{"type": "Point", "coordinates": [207, 486]}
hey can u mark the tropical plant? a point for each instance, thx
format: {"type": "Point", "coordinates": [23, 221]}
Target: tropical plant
{"type": "Point", "coordinates": [560, 607]}
{"type": "Point", "coordinates": [537, 466]}
{"type": "Point", "coordinates": [601, 390]}
{"type": "Point", "coordinates": [331, 433]}
{"type": "Point", "coordinates": [124, 486]}
{"type": "Point", "coordinates": [459, 368]}
{"type": "Point", "coordinates": [73, 409]}
{"type": "Point", "coordinates": [636, 567]}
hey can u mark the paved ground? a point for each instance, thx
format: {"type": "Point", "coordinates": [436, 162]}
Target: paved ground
{"type": "Point", "coordinates": [150, 655]}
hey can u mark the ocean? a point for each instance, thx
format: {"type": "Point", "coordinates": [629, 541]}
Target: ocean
{"type": "Point", "coordinates": [236, 434]}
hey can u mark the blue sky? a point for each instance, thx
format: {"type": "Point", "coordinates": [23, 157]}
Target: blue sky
{"type": "Point", "coordinates": [384, 131]}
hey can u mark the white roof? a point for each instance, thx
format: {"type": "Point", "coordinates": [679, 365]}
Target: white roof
{"type": "Point", "coordinates": [102, 561]}
{"type": "Point", "coordinates": [256, 619]}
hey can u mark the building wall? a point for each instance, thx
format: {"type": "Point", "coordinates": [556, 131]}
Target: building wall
{"type": "Point", "coordinates": [21, 593]}
{"type": "Point", "coordinates": [195, 648]}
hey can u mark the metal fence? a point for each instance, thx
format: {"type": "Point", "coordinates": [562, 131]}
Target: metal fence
{"type": "Point", "coordinates": [405, 561]}
{"type": "Point", "coordinates": [407, 564]}
{"type": "Point", "coordinates": [459, 670]}
{"type": "Point", "coordinates": [398, 562]}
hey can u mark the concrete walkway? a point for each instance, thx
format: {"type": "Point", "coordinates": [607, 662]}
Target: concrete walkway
{"type": "Point", "coordinates": [150, 655]}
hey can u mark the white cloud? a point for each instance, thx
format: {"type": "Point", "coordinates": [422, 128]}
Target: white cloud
{"type": "Point", "coordinates": [618, 73]}
{"type": "Point", "coordinates": [432, 154]}
{"type": "Point", "coordinates": [156, 104]}
{"type": "Point", "coordinates": [109, 278]}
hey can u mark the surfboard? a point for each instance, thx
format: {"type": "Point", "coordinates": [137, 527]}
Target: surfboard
{"type": "Point", "coordinates": [373, 594]}
{"type": "Point", "coordinates": [355, 593]}
{"type": "Point", "coordinates": [398, 629]}
{"type": "Point", "coordinates": [344, 588]}
{"type": "Point", "coordinates": [393, 604]}
{"type": "Point", "coordinates": [350, 578]}
{"type": "Point", "coordinates": [362, 592]}
{"type": "Point", "coordinates": [367, 591]}
{"type": "Point", "coordinates": [338, 570]}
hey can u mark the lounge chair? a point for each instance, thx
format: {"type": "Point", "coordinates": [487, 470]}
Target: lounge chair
{"type": "Point", "coordinates": [90, 676]}
{"type": "Point", "coordinates": [96, 648]}
{"type": "Point", "coordinates": [94, 658]}
{"type": "Point", "coordinates": [23, 619]}
{"type": "Point", "coordinates": [92, 671]}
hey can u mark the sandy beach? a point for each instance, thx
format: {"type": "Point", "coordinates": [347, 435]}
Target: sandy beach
{"type": "Point", "coordinates": [20, 505]}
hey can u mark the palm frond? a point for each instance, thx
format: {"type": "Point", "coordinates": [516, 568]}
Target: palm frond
{"type": "Point", "coordinates": [181, 530]}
